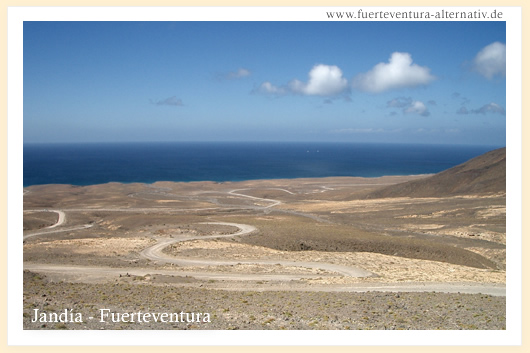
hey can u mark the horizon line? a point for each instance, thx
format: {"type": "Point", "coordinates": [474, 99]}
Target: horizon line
{"type": "Point", "coordinates": [260, 141]}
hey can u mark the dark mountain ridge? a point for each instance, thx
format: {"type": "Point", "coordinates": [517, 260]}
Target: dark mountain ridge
{"type": "Point", "coordinates": [485, 174]}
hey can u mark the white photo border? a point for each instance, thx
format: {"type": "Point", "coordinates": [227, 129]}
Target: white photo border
{"type": "Point", "coordinates": [17, 336]}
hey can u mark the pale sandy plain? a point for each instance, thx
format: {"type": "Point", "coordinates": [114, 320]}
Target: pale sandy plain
{"type": "Point", "coordinates": [301, 235]}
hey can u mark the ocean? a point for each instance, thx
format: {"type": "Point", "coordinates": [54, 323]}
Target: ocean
{"type": "Point", "coordinates": [91, 163]}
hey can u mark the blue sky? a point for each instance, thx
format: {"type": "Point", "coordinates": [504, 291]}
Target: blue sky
{"type": "Point", "coordinates": [413, 82]}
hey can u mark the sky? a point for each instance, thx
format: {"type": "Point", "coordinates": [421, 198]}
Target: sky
{"type": "Point", "coordinates": [392, 82]}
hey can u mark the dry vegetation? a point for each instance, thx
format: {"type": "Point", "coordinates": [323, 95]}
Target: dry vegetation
{"type": "Point", "coordinates": [453, 237]}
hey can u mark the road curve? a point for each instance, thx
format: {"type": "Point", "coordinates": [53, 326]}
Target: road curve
{"type": "Point", "coordinates": [91, 274]}
{"type": "Point", "coordinates": [155, 253]}
{"type": "Point", "coordinates": [60, 220]}
{"type": "Point", "coordinates": [274, 202]}
{"type": "Point", "coordinates": [85, 226]}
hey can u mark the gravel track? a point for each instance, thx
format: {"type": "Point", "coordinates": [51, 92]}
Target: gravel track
{"type": "Point", "coordinates": [250, 300]}
{"type": "Point", "coordinates": [155, 253]}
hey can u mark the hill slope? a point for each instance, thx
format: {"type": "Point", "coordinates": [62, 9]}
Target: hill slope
{"type": "Point", "coordinates": [480, 175]}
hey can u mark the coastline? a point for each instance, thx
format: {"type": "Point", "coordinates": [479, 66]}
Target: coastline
{"type": "Point", "coordinates": [182, 162]}
{"type": "Point", "coordinates": [398, 178]}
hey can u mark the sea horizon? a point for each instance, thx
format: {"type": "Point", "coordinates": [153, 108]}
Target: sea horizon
{"type": "Point", "coordinates": [91, 163]}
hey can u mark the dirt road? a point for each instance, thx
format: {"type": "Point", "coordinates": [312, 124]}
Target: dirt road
{"type": "Point", "coordinates": [91, 274]}
{"type": "Point", "coordinates": [154, 253]}
{"type": "Point", "coordinates": [246, 280]}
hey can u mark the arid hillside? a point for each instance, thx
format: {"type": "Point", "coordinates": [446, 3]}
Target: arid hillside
{"type": "Point", "coordinates": [481, 175]}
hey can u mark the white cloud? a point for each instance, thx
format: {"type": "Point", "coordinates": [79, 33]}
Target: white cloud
{"type": "Point", "coordinates": [491, 108]}
{"type": "Point", "coordinates": [241, 72]}
{"type": "Point", "coordinates": [268, 88]}
{"type": "Point", "coordinates": [487, 108]}
{"type": "Point", "coordinates": [491, 60]}
{"type": "Point", "coordinates": [417, 107]}
{"type": "Point", "coordinates": [409, 106]}
{"type": "Point", "coordinates": [233, 75]}
{"type": "Point", "coordinates": [399, 72]}
{"type": "Point", "coordinates": [324, 80]}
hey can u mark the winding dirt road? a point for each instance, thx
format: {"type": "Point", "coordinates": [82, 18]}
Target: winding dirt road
{"type": "Point", "coordinates": [274, 202]}
{"type": "Point", "coordinates": [155, 253]}
{"type": "Point", "coordinates": [60, 221]}
{"type": "Point", "coordinates": [93, 274]}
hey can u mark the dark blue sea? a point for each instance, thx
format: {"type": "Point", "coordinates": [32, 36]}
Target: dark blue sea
{"type": "Point", "coordinates": [87, 164]}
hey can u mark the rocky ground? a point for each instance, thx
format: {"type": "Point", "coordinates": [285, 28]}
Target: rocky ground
{"type": "Point", "coordinates": [254, 310]}
{"type": "Point", "coordinates": [400, 240]}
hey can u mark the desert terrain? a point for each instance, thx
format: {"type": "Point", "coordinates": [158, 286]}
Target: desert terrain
{"type": "Point", "coordinates": [395, 252]}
